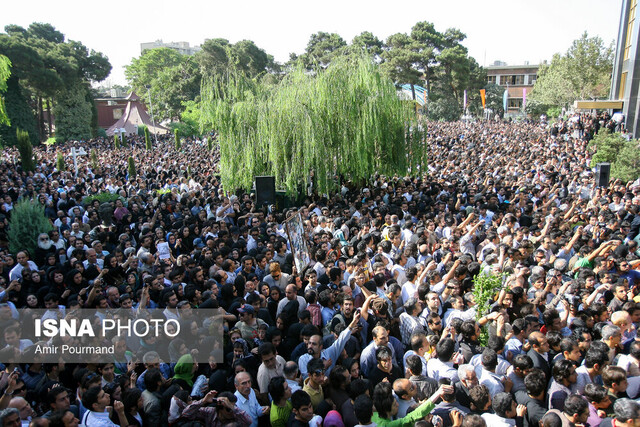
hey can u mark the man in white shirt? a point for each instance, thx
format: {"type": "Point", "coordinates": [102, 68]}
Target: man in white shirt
{"type": "Point", "coordinates": [505, 411]}
{"type": "Point", "coordinates": [23, 262]}
{"type": "Point", "coordinates": [442, 366]}
{"type": "Point", "coordinates": [96, 401]}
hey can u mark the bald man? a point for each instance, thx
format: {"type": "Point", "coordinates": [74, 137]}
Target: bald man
{"type": "Point", "coordinates": [406, 392]}
{"type": "Point", "coordinates": [291, 294]}
{"type": "Point", "coordinates": [247, 400]}
{"type": "Point", "coordinates": [538, 352]}
{"type": "Point", "coordinates": [24, 409]}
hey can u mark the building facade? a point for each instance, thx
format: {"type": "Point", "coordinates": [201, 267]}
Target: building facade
{"type": "Point", "coordinates": [626, 67]}
{"type": "Point", "coordinates": [517, 79]}
{"type": "Point", "coordinates": [180, 47]}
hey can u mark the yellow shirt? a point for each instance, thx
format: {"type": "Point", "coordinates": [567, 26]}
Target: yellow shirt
{"type": "Point", "coordinates": [317, 396]}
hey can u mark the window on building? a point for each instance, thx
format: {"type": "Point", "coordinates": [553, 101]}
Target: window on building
{"type": "Point", "coordinates": [532, 78]}
{"type": "Point", "coordinates": [117, 113]}
{"type": "Point", "coordinates": [514, 103]}
{"type": "Point", "coordinates": [632, 18]}
{"type": "Point", "coordinates": [491, 79]}
{"type": "Point", "coordinates": [512, 80]}
{"type": "Point", "coordinates": [623, 83]}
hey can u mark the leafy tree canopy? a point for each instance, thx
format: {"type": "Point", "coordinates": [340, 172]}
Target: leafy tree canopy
{"type": "Point", "coordinates": [583, 72]}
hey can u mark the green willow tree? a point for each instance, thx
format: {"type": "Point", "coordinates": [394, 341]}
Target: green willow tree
{"type": "Point", "coordinates": [346, 120]}
{"type": "Point", "coordinates": [5, 72]}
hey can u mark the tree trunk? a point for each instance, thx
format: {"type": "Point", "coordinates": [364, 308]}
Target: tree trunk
{"type": "Point", "coordinates": [413, 95]}
{"type": "Point", "coordinates": [49, 116]}
{"type": "Point", "coordinates": [41, 128]}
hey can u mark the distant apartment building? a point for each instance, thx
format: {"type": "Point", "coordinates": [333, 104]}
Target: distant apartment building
{"type": "Point", "coordinates": [517, 79]}
{"type": "Point", "coordinates": [180, 47]}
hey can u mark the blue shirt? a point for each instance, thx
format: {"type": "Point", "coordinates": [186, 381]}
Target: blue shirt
{"type": "Point", "coordinates": [327, 315]}
{"type": "Point", "coordinates": [332, 353]}
{"type": "Point", "coordinates": [164, 369]}
{"type": "Point", "coordinates": [250, 406]}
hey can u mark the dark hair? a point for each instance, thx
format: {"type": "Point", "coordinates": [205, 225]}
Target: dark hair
{"type": "Point", "coordinates": [266, 348]}
{"type": "Point", "coordinates": [562, 370]}
{"type": "Point", "coordinates": [414, 364]}
{"type": "Point", "coordinates": [315, 365]}
{"type": "Point", "coordinates": [299, 399]}
{"type": "Point", "coordinates": [337, 379]}
{"type": "Point", "coordinates": [551, 419]}
{"type": "Point", "coordinates": [568, 344]}
{"type": "Point", "coordinates": [501, 404]}
{"type": "Point", "coordinates": [151, 379]}
{"type": "Point", "coordinates": [522, 362]}
{"type": "Point", "coordinates": [276, 388]}
{"type": "Point", "coordinates": [595, 393]}
{"type": "Point", "coordinates": [445, 349]}
{"type": "Point", "coordinates": [383, 399]}
{"type": "Point", "coordinates": [535, 382]}
{"type": "Point", "coordinates": [52, 394]}
{"type": "Point", "coordinates": [363, 409]}
{"type": "Point", "coordinates": [130, 399]}
{"type": "Point", "coordinates": [575, 404]}
{"type": "Point", "coordinates": [55, 419]}
{"type": "Point", "coordinates": [358, 387]}
{"type": "Point", "coordinates": [480, 396]}
{"type": "Point", "coordinates": [90, 396]}
{"type": "Point", "coordinates": [383, 353]}
{"type": "Point", "coordinates": [594, 357]}
{"type": "Point", "coordinates": [489, 359]}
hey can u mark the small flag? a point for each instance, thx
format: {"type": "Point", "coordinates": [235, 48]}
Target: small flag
{"type": "Point", "coordinates": [505, 96]}
{"type": "Point", "coordinates": [524, 97]}
{"type": "Point", "coordinates": [465, 101]}
{"type": "Point", "coordinates": [483, 94]}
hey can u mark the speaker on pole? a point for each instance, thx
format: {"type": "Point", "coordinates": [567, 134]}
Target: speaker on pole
{"type": "Point", "coordinates": [602, 174]}
{"type": "Point", "coordinates": [265, 190]}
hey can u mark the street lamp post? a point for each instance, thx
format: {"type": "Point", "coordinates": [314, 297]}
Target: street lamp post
{"type": "Point", "coordinates": [155, 135]}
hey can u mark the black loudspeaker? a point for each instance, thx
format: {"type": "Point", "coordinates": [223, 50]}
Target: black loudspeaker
{"type": "Point", "coordinates": [602, 174]}
{"type": "Point", "coordinates": [265, 190]}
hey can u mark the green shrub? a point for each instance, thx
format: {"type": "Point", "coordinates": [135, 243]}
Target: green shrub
{"type": "Point", "coordinates": [116, 141]}
{"type": "Point", "coordinates": [26, 150]}
{"type": "Point", "coordinates": [27, 221]}
{"type": "Point", "coordinates": [485, 288]}
{"type": "Point", "coordinates": [94, 159]}
{"type": "Point", "coordinates": [60, 163]}
{"type": "Point", "coordinates": [132, 168]}
{"type": "Point", "coordinates": [623, 155]}
{"type": "Point", "coordinates": [147, 138]}
{"type": "Point", "coordinates": [102, 198]}
{"type": "Point", "coordinates": [176, 135]}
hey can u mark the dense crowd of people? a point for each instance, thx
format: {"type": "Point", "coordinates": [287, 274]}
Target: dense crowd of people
{"type": "Point", "coordinates": [380, 328]}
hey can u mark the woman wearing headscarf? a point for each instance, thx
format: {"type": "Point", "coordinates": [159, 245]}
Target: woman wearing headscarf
{"type": "Point", "coordinates": [185, 369]}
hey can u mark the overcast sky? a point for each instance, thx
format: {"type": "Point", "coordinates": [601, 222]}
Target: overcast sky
{"type": "Point", "coordinates": [513, 31]}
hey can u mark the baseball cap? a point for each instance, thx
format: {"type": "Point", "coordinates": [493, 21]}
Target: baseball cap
{"type": "Point", "coordinates": [247, 308]}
